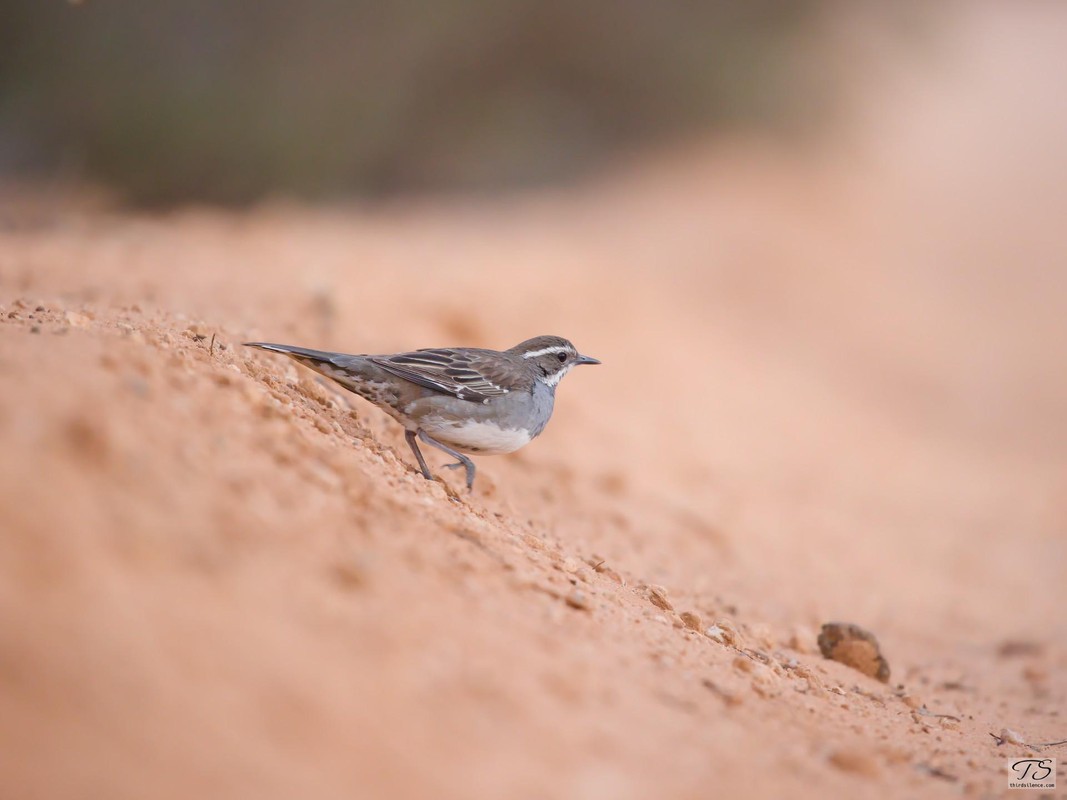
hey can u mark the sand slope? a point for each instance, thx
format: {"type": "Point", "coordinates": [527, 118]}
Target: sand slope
{"type": "Point", "coordinates": [221, 577]}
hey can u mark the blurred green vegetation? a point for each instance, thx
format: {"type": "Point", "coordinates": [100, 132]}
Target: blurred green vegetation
{"type": "Point", "coordinates": [178, 100]}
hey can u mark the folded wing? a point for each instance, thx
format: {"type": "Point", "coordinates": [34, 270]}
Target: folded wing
{"type": "Point", "coordinates": [465, 374]}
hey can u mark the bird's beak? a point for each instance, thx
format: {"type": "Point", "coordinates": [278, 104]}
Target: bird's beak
{"type": "Point", "coordinates": [586, 360]}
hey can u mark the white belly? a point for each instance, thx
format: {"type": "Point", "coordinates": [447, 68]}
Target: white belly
{"type": "Point", "coordinates": [476, 437]}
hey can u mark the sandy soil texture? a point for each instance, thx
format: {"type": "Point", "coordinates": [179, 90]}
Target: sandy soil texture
{"type": "Point", "coordinates": [819, 402]}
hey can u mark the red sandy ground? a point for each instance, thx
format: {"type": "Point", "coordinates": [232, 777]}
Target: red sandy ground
{"type": "Point", "coordinates": [819, 401]}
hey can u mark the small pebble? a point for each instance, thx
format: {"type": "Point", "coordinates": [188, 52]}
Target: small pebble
{"type": "Point", "coordinates": [1011, 737]}
{"type": "Point", "coordinates": [1035, 674]}
{"type": "Point", "coordinates": [727, 632]}
{"type": "Point", "coordinates": [716, 633]}
{"type": "Point", "coordinates": [691, 620]}
{"type": "Point", "coordinates": [76, 320]}
{"type": "Point", "coordinates": [657, 595]}
{"type": "Point", "coordinates": [569, 565]}
{"type": "Point", "coordinates": [578, 599]}
{"type": "Point", "coordinates": [349, 575]}
{"type": "Point", "coordinates": [744, 664]}
{"type": "Point", "coordinates": [584, 574]}
{"type": "Point", "coordinates": [1013, 648]}
{"type": "Point", "coordinates": [855, 761]}
{"type": "Point", "coordinates": [855, 647]}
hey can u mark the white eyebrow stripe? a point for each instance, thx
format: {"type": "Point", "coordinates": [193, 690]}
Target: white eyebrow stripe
{"type": "Point", "coordinates": [556, 348]}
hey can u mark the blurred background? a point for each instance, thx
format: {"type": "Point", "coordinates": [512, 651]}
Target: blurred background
{"type": "Point", "coordinates": [172, 101]}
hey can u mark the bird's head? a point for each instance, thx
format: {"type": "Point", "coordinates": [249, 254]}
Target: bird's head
{"type": "Point", "coordinates": [552, 357]}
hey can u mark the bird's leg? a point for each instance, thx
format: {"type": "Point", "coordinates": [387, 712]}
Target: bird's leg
{"type": "Point", "coordinates": [464, 462]}
{"type": "Point", "coordinates": [410, 436]}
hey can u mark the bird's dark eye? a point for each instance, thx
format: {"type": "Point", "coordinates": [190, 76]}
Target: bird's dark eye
{"type": "Point", "coordinates": [562, 357]}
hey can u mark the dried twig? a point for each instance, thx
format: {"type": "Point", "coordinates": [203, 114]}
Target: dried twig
{"type": "Point", "coordinates": [1002, 739]}
{"type": "Point", "coordinates": [211, 350]}
{"type": "Point", "coordinates": [925, 712]}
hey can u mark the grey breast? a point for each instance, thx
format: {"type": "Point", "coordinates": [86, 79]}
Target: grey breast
{"type": "Point", "coordinates": [541, 402]}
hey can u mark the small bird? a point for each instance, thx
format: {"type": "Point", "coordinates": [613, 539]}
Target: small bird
{"type": "Point", "coordinates": [458, 399]}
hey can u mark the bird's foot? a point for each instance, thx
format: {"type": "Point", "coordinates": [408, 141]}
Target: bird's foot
{"type": "Point", "coordinates": [470, 473]}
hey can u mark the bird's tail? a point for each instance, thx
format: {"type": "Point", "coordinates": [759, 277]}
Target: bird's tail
{"type": "Point", "coordinates": [349, 371]}
{"type": "Point", "coordinates": [299, 353]}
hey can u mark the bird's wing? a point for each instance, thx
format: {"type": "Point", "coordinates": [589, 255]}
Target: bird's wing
{"type": "Point", "coordinates": [465, 373]}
